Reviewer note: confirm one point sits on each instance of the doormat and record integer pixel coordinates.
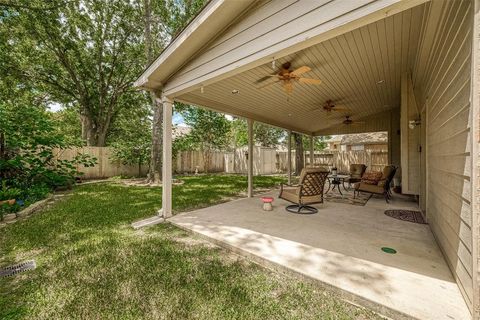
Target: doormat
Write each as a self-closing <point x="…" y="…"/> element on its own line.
<point x="347" y="198"/>
<point x="17" y="268"/>
<point x="406" y="215"/>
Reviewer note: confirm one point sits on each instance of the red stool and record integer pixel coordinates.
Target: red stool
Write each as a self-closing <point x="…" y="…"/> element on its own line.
<point x="267" y="203"/>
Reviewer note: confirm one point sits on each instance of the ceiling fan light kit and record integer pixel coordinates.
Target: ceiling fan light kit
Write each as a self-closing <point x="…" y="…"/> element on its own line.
<point x="289" y="77"/>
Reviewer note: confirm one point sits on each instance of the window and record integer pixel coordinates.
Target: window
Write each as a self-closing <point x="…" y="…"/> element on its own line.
<point x="358" y="147"/>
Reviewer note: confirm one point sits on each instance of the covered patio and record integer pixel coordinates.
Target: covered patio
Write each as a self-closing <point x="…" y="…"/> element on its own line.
<point x="409" y="68"/>
<point x="340" y="248"/>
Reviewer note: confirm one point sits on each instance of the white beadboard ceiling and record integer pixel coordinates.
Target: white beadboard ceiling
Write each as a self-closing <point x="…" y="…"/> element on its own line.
<point x="350" y="67"/>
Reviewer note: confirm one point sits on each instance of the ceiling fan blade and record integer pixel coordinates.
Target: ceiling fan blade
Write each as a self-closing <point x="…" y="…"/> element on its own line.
<point x="268" y="84"/>
<point x="300" y="71"/>
<point x="265" y="78"/>
<point x="309" y="81"/>
<point x="288" y="87"/>
<point x="356" y="123"/>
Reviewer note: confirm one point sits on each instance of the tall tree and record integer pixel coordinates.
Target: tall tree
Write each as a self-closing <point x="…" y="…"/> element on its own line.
<point x="155" y="172"/>
<point x="299" y="160"/>
<point x="83" y="52"/>
<point x="210" y="131"/>
<point x="162" y="20"/>
<point x="265" y="134"/>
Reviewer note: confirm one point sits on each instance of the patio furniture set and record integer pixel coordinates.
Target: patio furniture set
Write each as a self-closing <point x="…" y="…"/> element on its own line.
<point x="311" y="187"/>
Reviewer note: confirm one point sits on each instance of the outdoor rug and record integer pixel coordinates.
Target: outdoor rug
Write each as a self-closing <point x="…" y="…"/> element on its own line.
<point x="347" y="198"/>
<point x="406" y="215"/>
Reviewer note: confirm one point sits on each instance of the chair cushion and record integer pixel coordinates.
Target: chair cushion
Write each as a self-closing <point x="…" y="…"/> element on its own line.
<point x="357" y="170"/>
<point x="370" y="188"/>
<point x="372" y="177"/>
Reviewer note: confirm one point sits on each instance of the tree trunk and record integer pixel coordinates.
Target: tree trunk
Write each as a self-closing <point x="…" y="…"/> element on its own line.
<point x="101" y="138"/>
<point x="92" y="134"/>
<point x="207" y="157"/>
<point x="299" y="163"/>
<point x="155" y="172"/>
<point x="89" y="131"/>
<point x="3" y="155"/>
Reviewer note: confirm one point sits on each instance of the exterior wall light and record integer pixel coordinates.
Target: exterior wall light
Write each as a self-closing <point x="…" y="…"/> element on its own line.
<point x="413" y="123"/>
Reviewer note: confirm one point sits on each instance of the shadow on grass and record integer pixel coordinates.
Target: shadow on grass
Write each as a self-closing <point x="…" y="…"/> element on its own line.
<point x="91" y="264"/>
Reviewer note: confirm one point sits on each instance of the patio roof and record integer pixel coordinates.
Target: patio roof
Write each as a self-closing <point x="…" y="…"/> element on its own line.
<point x="368" y="89"/>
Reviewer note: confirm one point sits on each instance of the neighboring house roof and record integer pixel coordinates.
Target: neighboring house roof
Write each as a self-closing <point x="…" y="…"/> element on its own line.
<point x="335" y="138"/>
<point x="365" y="138"/>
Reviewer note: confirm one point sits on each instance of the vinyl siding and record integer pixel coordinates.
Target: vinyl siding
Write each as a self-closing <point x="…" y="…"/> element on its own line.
<point x="442" y="84"/>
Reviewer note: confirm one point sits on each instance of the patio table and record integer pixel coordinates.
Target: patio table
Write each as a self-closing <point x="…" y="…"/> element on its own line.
<point x="335" y="180"/>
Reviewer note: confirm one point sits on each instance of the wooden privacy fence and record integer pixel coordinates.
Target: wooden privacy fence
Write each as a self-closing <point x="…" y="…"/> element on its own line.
<point x="106" y="167"/>
<point x="266" y="161"/>
<point x="375" y="160"/>
<point x="192" y="161"/>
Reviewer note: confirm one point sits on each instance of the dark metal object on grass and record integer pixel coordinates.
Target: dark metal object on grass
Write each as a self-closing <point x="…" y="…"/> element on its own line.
<point x="17" y="268"/>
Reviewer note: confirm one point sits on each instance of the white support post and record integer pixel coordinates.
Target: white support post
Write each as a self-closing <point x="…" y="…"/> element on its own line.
<point x="312" y="155"/>
<point x="250" y="157"/>
<point x="167" y="158"/>
<point x="289" y="157"/>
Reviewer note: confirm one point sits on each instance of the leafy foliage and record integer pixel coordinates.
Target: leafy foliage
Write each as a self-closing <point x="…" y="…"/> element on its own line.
<point x="210" y="130"/>
<point x="83" y="53"/>
<point x="264" y="134"/>
<point x="131" y="137"/>
<point x="29" y="144"/>
<point x="67" y="124"/>
<point x="319" y="143"/>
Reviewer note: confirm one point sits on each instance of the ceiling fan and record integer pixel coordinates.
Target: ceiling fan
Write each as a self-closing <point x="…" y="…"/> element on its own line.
<point x="330" y="106"/>
<point x="288" y="77"/>
<point x="348" y="121"/>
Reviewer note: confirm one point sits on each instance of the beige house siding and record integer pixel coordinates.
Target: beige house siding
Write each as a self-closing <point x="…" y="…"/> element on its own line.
<point x="442" y="83"/>
<point x="475" y="116"/>
<point x="409" y="139"/>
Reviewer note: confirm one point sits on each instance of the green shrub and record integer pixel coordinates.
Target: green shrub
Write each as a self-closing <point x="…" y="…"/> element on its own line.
<point x="7" y="193"/>
<point x="30" y="144"/>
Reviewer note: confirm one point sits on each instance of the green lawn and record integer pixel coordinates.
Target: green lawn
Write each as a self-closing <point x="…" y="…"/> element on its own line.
<point x="92" y="265"/>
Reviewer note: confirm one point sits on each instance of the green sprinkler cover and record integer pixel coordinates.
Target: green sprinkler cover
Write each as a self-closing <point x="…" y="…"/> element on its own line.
<point x="389" y="250"/>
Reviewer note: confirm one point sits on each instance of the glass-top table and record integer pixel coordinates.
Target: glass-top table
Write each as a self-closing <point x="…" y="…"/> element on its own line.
<point x="335" y="180"/>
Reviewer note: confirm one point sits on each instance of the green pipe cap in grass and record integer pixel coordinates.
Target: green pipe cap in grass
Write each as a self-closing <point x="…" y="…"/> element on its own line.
<point x="389" y="250"/>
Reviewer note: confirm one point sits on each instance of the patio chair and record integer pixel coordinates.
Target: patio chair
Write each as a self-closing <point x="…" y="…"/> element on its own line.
<point x="381" y="187"/>
<point x="356" y="172"/>
<point x="308" y="191"/>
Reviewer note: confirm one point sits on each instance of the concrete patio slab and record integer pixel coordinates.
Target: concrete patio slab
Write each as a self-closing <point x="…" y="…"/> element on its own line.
<point x="340" y="247"/>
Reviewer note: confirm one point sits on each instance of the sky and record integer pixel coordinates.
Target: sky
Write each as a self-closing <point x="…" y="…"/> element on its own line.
<point x="177" y="118"/>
